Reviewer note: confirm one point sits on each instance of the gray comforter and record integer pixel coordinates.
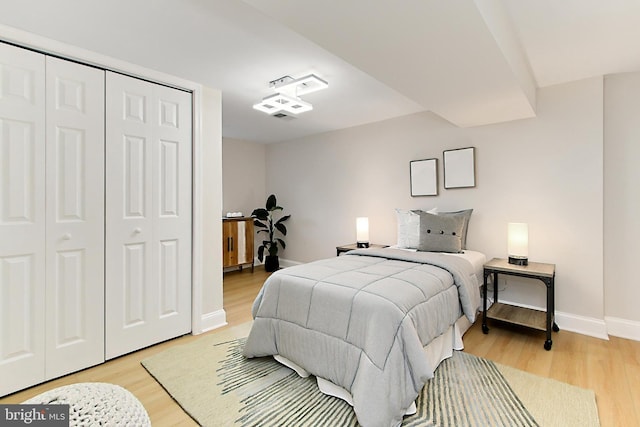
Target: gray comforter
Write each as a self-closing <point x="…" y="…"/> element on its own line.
<point x="361" y="321"/>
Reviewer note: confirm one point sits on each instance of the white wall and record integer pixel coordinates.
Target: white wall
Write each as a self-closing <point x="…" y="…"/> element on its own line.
<point x="546" y="171"/>
<point x="210" y="163"/>
<point x="622" y="203"/>
<point x="243" y="176"/>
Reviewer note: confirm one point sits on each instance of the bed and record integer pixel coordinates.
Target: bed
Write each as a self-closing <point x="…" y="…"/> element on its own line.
<point x="371" y="325"/>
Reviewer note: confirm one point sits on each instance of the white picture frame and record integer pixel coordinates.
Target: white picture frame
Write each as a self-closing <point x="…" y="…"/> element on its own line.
<point x="424" y="177"/>
<point x="459" y="168"/>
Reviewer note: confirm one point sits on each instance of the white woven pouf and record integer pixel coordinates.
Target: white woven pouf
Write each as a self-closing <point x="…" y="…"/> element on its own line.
<point x="96" y="404"/>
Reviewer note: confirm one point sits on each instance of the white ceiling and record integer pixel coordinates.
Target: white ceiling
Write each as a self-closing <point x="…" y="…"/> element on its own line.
<point x="472" y="62"/>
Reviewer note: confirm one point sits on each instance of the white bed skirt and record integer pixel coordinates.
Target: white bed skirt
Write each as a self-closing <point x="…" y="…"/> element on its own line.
<point x="436" y="351"/>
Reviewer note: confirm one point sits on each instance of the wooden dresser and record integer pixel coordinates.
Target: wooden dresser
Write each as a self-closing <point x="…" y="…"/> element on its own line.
<point x="237" y="242"/>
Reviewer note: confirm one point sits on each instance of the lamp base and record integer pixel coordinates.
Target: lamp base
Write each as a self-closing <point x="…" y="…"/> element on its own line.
<point x="518" y="260"/>
<point x="362" y="244"/>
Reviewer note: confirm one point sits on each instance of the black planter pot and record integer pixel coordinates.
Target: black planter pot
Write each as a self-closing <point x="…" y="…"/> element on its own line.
<point x="271" y="263"/>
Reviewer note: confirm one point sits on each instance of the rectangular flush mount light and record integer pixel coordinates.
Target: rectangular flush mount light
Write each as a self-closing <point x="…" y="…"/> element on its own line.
<point x="281" y="102"/>
<point x="302" y="86"/>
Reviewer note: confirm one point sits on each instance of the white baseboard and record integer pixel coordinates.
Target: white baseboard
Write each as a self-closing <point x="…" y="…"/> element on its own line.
<point x="575" y="323"/>
<point x="582" y="325"/>
<point x="214" y="320"/>
<point x="288" y="263"/>
<point x="623" y="328"/>
<point x="282" y="261"/>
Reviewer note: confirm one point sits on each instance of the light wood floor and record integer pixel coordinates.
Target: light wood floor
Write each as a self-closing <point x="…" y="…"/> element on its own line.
<point x="610" y="368"/>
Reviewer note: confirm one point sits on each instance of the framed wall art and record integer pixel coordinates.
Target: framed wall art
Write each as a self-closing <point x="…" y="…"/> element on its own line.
<point x="424" y="177"/>
<point x="459" y="168"/>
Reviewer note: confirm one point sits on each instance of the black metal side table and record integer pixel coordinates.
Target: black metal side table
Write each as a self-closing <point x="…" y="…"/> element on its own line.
<point x="535" y="319"/>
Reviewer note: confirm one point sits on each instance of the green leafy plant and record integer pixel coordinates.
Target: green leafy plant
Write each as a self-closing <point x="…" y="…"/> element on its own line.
<point x="266" y="223"/>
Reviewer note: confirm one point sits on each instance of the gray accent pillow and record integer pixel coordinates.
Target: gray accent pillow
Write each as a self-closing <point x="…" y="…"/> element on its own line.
<point x="440" y="233"/>
<point x="466" y="216"/>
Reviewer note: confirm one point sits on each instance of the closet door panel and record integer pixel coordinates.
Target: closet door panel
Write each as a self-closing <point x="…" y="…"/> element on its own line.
<point x="75" y="216"/>
<point x="172" y="206"/>
<point x="22" y="218"/>
<point x="129" y="222"/>
<point x="148" y="246"/>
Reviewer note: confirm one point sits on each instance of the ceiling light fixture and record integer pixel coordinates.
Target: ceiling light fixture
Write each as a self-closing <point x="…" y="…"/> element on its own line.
<point x="288" y="89"/>
<point x="301" y="86"/>
<point x="281" y="102"/>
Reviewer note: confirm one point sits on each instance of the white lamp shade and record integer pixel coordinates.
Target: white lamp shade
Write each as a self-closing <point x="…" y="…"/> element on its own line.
<point x="518" y="240"/>
<point x="362" y="229"/>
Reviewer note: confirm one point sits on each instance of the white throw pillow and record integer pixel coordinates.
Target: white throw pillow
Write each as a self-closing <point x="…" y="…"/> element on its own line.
<point x="409" y="227"/>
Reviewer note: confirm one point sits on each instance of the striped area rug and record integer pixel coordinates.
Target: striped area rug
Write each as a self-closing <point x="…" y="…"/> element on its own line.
<point x="466" y="391"/>
<point x="217" y="386"/>
<point x="470" y="391"/>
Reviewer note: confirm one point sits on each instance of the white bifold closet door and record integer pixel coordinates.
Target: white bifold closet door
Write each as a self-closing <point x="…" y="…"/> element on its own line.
<point x="75" y="217"/>
<point x="148" y="214"/>
<point x="22" y="218"/>
<point x="51" y="217"/>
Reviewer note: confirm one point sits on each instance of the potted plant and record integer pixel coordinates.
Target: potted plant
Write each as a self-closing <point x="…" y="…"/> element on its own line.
<point x="265" y="221"/>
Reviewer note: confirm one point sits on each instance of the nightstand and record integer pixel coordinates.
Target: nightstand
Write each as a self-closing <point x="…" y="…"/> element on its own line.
<point x="353" y="246"/>
<point x="530" y="318"/>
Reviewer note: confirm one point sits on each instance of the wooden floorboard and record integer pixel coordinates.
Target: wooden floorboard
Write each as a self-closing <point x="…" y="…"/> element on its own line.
<point x="610" y="368"/>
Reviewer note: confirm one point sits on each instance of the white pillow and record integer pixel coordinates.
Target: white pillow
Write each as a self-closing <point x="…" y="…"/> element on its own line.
<point x="409" y="227"/>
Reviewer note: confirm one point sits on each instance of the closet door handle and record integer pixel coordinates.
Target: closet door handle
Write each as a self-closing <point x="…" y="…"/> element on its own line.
<point x="66" y="236"/>
<point x="231" y="238"/>
<point x="137" y="230"/>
